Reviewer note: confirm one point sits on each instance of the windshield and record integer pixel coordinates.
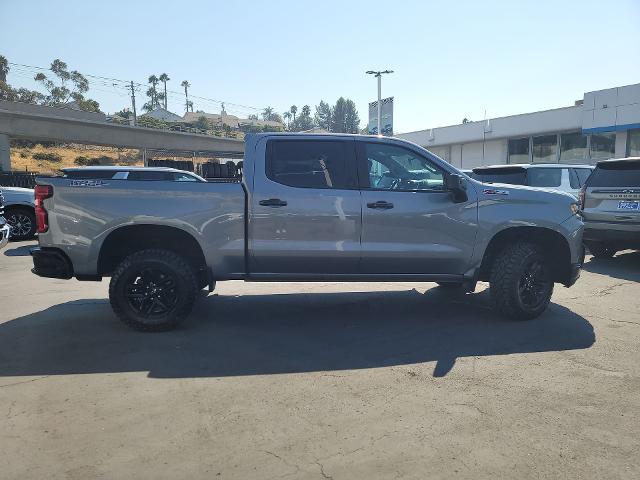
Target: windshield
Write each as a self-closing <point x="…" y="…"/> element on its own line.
<point x="616" y="174"/>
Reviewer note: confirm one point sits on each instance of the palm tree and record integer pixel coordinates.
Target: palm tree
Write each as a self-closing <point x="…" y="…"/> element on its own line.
<point x="267" y="113"/>
<point x="4" y="69"/>
<point x="186" y="85"/>
<point x="287" y="117"/>
<point x="164" y="78"/>
<point x="189" y="105"/>
<point x="294" y="110"/>
<point x="153" y="80"/>
<point x="306" y="111"/>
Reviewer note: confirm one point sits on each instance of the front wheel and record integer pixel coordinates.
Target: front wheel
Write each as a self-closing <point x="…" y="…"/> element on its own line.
<point x="153" y="290"/>
<point x="521" y="282"/>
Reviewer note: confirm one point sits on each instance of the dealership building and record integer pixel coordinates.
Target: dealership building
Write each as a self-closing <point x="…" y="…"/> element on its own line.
<point x="604" y="124"/>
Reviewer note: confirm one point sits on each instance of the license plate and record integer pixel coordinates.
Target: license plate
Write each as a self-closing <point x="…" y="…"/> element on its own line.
<point x="627" y="205"/>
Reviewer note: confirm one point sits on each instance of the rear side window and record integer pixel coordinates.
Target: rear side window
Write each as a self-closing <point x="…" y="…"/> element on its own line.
<point x="579" y="176"/>
<point x="149" y="175"/>
<point x="309" y="163"/>
<point x="616" y="174"/>
<point x="90" y="174"/>
<point x="544" y="177"/>
<point x="510" y="175"/>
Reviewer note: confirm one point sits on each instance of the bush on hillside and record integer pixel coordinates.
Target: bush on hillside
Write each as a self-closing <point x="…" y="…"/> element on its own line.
<point x="48" y="156"/>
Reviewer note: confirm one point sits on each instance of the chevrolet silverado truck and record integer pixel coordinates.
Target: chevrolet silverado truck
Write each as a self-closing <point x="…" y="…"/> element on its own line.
<point x="307" y="208"/>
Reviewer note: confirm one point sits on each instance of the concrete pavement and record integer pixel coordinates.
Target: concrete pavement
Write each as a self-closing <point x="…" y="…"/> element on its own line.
<point x="304" y="380"/>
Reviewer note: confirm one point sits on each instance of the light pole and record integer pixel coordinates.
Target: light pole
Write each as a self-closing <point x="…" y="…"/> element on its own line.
<point x="379" y="76"/>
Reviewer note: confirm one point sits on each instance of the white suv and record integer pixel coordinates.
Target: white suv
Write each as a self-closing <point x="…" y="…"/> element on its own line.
<point x="555" y="176"/>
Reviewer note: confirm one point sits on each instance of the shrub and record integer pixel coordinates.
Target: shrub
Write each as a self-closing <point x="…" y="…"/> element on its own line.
<point x="24" y="154"/>
<point x="83" y="161"/>
<point x="51" y="157"/>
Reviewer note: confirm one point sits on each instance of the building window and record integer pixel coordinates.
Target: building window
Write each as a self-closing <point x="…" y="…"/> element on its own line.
<point x="603" y="146"/>
<point x="573" y="147"/>
<point x="519" y="150"/>
<point x="634" y="143"/>
<point x="545" y="149"/>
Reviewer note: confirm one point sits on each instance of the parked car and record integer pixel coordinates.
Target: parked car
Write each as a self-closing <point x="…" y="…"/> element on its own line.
<point x="562" y="177"/>
<point x="610" y="205"/>
<point x="309" y="207"/>
<point x="4" y="227"/>
<point x="20" y="212"/>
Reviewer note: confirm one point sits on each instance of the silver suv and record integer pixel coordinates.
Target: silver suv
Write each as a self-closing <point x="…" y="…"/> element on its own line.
<point x="610" y="204"/>
<point x="565" y="178"/>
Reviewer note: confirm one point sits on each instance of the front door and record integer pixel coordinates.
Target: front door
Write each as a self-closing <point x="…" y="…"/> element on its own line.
<point x="305" y="208"/>
<point x="410" y="223"/>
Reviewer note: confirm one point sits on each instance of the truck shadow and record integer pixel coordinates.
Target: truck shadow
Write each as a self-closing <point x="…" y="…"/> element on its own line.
<point x="625" y="265"/>
<point x="283" y="333"/>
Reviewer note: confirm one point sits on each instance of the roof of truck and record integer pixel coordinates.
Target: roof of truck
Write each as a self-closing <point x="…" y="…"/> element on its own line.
<point x="534" y="165"/>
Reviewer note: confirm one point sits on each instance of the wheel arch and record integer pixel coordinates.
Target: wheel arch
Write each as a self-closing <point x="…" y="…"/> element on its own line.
<point x="553" y="244"/>
<point x="127" y="239"/>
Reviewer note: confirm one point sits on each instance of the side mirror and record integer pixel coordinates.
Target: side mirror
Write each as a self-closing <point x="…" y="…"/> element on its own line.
<point x="457" y="185"/>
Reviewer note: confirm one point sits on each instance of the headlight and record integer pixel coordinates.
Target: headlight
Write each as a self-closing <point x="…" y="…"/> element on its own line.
<point x="575" y="208"/>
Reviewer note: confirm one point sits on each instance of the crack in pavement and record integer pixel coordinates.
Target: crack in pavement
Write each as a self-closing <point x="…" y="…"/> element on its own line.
<point x="25" y="381"/>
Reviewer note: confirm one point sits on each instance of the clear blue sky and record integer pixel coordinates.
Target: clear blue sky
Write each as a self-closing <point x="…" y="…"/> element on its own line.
<point x="452" y="59"/>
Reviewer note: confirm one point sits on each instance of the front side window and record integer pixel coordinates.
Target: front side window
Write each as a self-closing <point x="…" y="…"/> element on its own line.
<point x="389" y="167"/>
<point x="545" y="148"/>
<point x="603" y="146"/>
<point x="308" y="163"/>
<point x="544" y="177"/>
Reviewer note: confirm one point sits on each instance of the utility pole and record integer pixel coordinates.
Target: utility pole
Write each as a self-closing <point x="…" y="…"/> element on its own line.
<point x="133" y="104"/>
<point x="378" y="75"/>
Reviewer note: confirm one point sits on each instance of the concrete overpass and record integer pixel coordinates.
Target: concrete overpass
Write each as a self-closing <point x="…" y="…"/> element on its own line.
<point x="35" y="122"/>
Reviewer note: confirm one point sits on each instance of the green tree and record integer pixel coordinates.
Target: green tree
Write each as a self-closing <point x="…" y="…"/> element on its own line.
<point x="202" y="123"/>
<point x="164" y="78"/>
<point x="64" y="86"/>
<point x="303" y="122"/>
<point x="287" y="117"/>
<point x="338" y="116"/>
<point x="4" y="69"/>
<point x="186" y="85"/>
<point x="269" y="114"/>
<point x="293" y="111"/>
<point x="322" y="117"/>
<point x="351" y="120"/>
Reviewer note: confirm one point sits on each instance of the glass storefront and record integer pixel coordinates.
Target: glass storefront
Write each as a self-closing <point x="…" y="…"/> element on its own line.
<point x="545" y="149"/>
<point x="633" y="149"/>
<point x="519" y="150"/>
<point x="573" y="147"/>
<point x="603" y="146"/>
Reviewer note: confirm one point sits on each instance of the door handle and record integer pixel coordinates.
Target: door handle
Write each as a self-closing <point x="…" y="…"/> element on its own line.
<point x="273" y="202"/>
<point x="381" y="205"/>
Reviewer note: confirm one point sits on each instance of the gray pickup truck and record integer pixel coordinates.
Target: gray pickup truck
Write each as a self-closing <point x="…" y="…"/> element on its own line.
<point x="307" y="208"/>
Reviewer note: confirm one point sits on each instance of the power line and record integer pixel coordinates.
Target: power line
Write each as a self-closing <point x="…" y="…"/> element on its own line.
<point x="126" y="85"/>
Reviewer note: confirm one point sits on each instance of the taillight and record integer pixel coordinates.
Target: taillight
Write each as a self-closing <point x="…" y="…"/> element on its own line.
<point x="581" y="197"/>
<point x="42" y="219"/>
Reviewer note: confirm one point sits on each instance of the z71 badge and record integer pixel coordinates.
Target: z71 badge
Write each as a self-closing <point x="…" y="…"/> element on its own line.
<point x="88" y="183"/>
<point x="495" y="191"/>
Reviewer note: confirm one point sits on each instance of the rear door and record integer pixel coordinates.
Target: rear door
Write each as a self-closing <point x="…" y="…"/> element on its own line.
<point x="410" y="223"/>
<point x="613" y="193"/>
<point x="305" y="208"/>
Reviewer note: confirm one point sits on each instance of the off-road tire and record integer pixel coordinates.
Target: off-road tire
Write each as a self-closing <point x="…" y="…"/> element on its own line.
<point x="184" y="293"/>
<point x="601" y="250"/>
<point x="508" y="271"/>
<point x="13" y="214"/>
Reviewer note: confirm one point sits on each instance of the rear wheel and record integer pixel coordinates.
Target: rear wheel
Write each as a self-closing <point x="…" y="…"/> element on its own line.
<point x="601" y="250"/>
<point x="22" y="222"/>
<point x="521" y="282"/>
<point x="153" y="290"/>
